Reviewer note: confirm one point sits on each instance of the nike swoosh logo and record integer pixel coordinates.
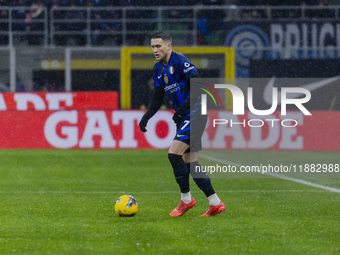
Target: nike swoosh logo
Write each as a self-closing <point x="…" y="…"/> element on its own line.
<point x="180" y="135"/>
<point x="159" y="76"/>
<point x="267" y="93"/>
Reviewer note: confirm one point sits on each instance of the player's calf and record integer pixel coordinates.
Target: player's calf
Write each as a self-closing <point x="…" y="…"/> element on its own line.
<point x="181" y="171"/>
<point x="201" y="178"/>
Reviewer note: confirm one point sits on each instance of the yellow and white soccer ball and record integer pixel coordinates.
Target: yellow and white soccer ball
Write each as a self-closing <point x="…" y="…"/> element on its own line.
<point x="126" y="206"/>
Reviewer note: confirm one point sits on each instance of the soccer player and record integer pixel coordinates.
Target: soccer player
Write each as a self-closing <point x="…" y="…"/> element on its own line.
<point x="172" y="74"/>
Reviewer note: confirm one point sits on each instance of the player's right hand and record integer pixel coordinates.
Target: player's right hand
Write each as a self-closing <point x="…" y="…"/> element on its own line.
<point x="142" y="124"/>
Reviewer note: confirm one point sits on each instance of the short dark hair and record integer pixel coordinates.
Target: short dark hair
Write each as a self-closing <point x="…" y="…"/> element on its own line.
<point x="163" y="35"/>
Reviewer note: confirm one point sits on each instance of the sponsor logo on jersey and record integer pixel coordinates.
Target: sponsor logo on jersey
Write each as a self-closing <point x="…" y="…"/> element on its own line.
<point x="172" y="87"/>
<point x="188" y="69"/>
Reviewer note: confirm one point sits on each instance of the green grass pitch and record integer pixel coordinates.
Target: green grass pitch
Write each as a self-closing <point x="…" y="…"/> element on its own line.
<point x="61" y="202"/>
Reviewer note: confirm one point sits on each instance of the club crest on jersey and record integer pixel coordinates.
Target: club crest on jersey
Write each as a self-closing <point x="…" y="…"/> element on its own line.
<point x="171" y="69"/>
<point x="166" y="79"/>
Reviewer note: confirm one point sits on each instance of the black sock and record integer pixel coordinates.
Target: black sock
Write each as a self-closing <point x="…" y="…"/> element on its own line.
<point x="181" y="172"/>
<point x="201" y="178"/>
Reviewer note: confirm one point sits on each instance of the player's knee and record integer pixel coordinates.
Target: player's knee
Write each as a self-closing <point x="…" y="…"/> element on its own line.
<point x="186" y="158"/>
<point x="174" y="158"/>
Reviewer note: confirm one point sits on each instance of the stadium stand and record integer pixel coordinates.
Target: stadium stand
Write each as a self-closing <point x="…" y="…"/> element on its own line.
<point x="101" y="23"/>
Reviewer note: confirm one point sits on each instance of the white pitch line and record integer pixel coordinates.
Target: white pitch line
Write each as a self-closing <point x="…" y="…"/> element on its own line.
<point x="276" y="175"/>
<point x="145" y="192"/>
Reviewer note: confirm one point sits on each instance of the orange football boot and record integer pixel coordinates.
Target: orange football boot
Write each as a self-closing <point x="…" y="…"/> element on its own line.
<point x="213" y="210"/>
<point x="182" y="208"/>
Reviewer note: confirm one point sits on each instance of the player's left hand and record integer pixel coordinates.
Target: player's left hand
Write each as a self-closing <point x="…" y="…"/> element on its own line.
<point x="177" y="118"/>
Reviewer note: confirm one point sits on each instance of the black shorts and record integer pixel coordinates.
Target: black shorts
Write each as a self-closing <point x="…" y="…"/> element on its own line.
<point x="190" y="131"/>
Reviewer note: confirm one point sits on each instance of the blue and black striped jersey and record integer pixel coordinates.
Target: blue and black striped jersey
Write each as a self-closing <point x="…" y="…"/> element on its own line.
<point x="175" y="78"/>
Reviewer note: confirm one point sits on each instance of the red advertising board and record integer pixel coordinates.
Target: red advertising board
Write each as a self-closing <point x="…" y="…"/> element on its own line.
<point x="40" y="101"/>
<point x="116" y="129"/>
<point x="293" y="131"/>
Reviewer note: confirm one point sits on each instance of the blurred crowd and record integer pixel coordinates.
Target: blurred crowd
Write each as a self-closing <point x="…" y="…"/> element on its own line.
<point x="51" y="3"/>
<point x="117" y="3"/>
<point x="318" y="8"/>
<point x="70" y="26"/>
<point x="285" y="2"/>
